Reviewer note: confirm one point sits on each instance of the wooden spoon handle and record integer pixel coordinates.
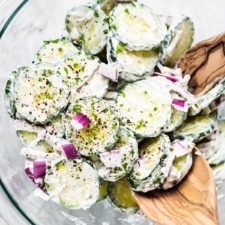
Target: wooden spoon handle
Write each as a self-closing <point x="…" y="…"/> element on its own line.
<point x="192" y="202"/>
<point x="205" y="63"/>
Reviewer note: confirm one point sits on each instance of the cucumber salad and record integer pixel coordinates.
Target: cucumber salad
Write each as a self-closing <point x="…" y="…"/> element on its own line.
<point x="104" y="111"/>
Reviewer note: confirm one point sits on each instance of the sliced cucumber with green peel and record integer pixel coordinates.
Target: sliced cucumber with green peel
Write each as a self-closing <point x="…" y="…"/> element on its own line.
<point x="180" y="168"/>
<point x="135" y="25"/>
<point x="121" y="196"/>
<point x="107" y="5"/>
<point x="86" y="26"/>
<point x="45" y="146"/>
<point x="77" y="70"/>
<point x="26" y="136"/>
<point x="177" y="118"/>
<point x="103" y="190"/>
<point x="196" y="128"/>
<point x="153" y="165"/>
<point x="97" y="86"/>
<point x="213" y="148"/>
<point x="27" y="132"/>
<point x="9" y="92"/>
<point x="178" y="41"/>
<point x="40" y="94"/>
<point x="72" y="183"/>
<point x="54" y="50"/>
<point x="119" y="161"/>
<point x="100" y="134"/>
<point x="55" y="127"/>
<point x="132" y="65"/>
<point x="144" y="107"/>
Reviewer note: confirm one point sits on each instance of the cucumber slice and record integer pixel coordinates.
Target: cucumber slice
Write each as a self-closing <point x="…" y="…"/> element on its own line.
<point x="85" y="25"/>
<point x="119" y="161"/>
<point x="9" y="91"/>
<point x="39" y="148"/>
<point x="44" y="146"/>
<point x="27" y="132"/>
<point x="154" y="164"/>
<point x="55" y="127"/>
<point x="72" y="183"/>
<point x="135" y="25"/>
<point x="97" y="86"/>
<point x="78" y="69"/>
<point x="111" y="95"/>
<point x="117" y="86"/>
<point x="103" y="190"/>
<point x="144" y="107"/>
<point x="54" y="50"/>
<point x="177" y="118"/>
<point x="213" y="149"/>
<point x="26" y="136"/>
<point x="121" y="196"/>
<point x="100" y="135"/>
<point x="40" y="94"/>
<point x="178" y="41"/>
<point x="196" y="128"/>
<point x="180" y="168"/>
<point x="132" y="65"/>
<point x="107" y="5"/>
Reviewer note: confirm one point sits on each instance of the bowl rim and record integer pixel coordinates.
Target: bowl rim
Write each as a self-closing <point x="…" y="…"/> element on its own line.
<point x="2" y="185"/>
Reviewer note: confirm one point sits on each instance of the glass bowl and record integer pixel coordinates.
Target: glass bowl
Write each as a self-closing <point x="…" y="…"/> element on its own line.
<point x="21" y="34"/>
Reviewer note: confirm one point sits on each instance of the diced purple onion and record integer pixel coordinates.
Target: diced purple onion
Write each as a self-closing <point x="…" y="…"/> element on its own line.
<point x="39" y="169"/>
<point x="38" y="181"/>
<point x="171" y="77"/>
<point x="70" y="151"/>
<point x="174" y="80"/>
<point x="178" y="102"/>
<point x="29" y="173"/>
<point x="81" y="120"/>
<point x="173" y="74"/>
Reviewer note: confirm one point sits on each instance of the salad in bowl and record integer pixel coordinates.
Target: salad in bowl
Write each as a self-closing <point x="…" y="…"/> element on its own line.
<point x="104" y="110"/>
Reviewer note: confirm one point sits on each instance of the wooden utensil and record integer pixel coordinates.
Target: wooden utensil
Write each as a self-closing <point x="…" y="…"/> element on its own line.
<point x="205" y="63"/>
<point x="194" y="200"/>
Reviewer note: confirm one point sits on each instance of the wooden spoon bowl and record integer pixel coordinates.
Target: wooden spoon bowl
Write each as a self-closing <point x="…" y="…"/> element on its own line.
<point x="192" y="202"/>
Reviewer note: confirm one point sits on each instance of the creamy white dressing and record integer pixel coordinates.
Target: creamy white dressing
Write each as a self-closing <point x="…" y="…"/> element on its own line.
<point x="119" y="161"/>
<point x="75" y="184"/>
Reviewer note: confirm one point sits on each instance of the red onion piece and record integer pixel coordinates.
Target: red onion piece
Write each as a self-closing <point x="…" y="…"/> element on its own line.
<point x="29" y="173"/>
<point x="70" y="151"/>
<point x="171" y="78"/>
<point x="39" y="169"/>
<point x="81" y="120"/>
<point x="38" y="181"/>
<point x="178" y="102"/>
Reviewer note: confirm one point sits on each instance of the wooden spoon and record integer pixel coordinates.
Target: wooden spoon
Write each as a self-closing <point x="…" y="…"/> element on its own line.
<point x="205" y="63"/>
<point x="194" y="200"/>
